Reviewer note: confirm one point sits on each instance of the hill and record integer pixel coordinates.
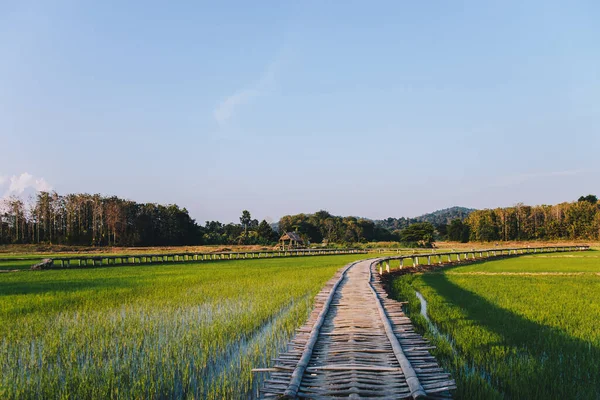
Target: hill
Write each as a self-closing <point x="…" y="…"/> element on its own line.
<point x="439" y="217"/>
<point x="446" y="215"/>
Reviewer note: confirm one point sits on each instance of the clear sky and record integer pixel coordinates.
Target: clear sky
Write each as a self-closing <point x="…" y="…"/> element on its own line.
<point x="362" y="108"/>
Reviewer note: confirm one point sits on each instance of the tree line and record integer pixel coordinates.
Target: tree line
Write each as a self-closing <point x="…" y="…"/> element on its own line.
<point x="84" y="219"/>
<point x="579" y="220"/>
<point x="322" y="227"/>
<point x="96" y="220"/>
<point x="439" y="218"/>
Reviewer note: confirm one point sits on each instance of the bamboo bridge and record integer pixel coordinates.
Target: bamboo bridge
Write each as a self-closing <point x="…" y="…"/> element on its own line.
<point x="358" y="343"/>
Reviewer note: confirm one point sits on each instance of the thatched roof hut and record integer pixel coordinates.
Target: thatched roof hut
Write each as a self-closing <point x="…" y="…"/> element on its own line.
<point x="291" y="240"/>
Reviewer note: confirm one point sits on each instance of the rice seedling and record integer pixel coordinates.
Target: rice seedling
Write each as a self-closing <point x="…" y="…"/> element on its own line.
<point x="524" y="327"/>
<point x="179" y="331"/>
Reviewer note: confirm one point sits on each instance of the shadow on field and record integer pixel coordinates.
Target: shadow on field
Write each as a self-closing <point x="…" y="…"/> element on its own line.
<point x="529" y="360"/>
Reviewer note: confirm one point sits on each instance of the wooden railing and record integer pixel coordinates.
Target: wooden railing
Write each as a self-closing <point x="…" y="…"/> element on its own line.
<point x="470" y="255"/>
<point x="84" y="261"/>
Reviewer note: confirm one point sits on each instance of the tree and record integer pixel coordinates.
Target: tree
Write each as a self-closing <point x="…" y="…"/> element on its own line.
<point x="458" y="231"/>
<point x="419" y="234"/>
<point x="266" y="234"/>
<point x="245" y="220"/>
<point x="483" y="225"/>
<point x="590" y="198"/>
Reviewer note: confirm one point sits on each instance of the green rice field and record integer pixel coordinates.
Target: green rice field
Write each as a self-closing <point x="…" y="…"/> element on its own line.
<point x="518" y="328"/>
<point x="158" y="331"/>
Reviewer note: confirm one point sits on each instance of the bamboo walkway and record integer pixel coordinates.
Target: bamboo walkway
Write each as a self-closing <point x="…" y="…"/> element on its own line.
<point x="170" y="258"/>
<point x="357" y="344"/>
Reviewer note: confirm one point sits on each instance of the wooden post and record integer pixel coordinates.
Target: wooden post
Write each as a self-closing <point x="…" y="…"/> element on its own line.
<point x="401" y="263"/>
<point x="387" y="266"/>
<point x="428" y="260"/>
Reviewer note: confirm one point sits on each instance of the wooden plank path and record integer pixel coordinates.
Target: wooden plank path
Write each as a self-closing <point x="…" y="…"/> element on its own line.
<point x="134" y="259"/>
<point x="439" y="258"/>
<point x="357" y="343"/>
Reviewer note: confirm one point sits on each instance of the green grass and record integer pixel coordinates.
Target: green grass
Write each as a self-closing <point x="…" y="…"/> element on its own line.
<point x="509" y="335"/>
<point x="25" y="261"/>
<point x="551" y="262"/>
<point x="176" y="331"/>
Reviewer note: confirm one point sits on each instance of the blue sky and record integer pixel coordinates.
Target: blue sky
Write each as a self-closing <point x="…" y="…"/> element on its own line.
<point x="362" y="108"/>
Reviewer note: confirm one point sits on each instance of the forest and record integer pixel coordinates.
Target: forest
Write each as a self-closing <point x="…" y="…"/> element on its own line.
<point x="579" y="220"/>
<point x="438" y="218"/>
<point x="84" y="219"/>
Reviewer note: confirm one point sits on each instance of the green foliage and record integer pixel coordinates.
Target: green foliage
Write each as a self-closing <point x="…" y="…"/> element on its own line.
<point x="575" y="221"/>
<point x="590" y="198"/>
<point x="436" y="218"/>
<point x="179" y="331"/>
<point x="322" y="226"/>
<point x="458" y="231"/>
<point x="420" y="233"/>
<point x="83" y="219"/>
<point x="245" y="219"/>
<point x="522" y="327"/>
<point x="265" y="233"/>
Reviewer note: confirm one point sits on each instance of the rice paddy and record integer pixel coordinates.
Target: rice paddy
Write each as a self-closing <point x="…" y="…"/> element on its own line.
<point x="178" y="331"/>
<point x="524" y="327"/>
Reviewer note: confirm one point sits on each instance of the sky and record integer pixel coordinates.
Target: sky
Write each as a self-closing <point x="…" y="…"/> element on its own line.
<point x="365" y="108"/>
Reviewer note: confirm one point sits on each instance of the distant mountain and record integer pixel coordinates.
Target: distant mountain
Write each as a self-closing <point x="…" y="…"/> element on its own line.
<point x="446" y="215"/>
<point x="439" y="217"/>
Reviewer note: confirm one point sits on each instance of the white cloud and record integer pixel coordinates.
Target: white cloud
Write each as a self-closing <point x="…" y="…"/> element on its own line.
<point x="225" y="110"/>
<point x="19" y="183"/>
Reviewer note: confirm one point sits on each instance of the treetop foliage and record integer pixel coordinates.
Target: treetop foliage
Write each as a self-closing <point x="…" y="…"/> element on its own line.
<point x="590" y="198"/>
<point x="324" y="227"/>
<point x="436" y="218"/>
<point x="84" y="219"/>
<point x="574" y="221"/>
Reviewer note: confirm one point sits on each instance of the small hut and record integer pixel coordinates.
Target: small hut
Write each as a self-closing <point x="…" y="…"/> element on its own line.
<point x="290" y="240"/>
